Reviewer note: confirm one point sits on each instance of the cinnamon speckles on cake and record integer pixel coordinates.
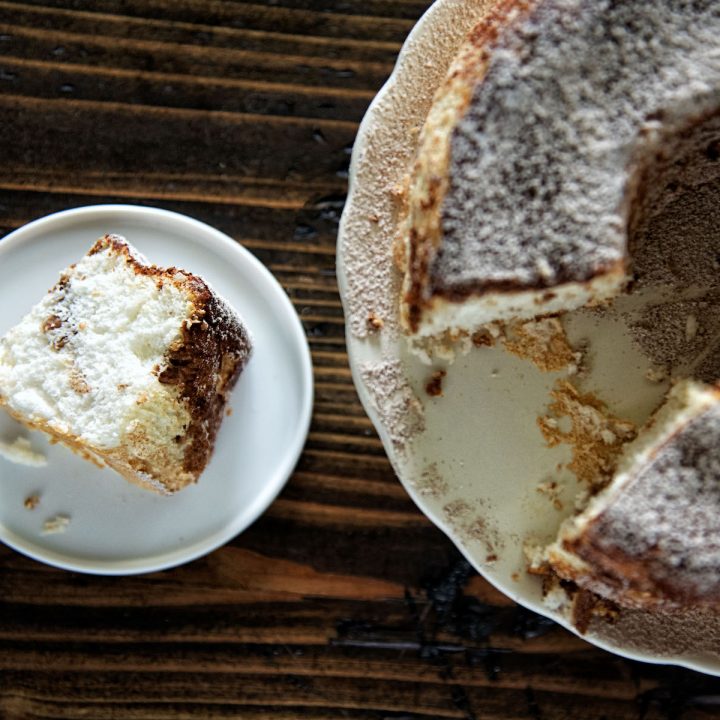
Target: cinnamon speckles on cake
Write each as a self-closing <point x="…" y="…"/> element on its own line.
<point x="669" y="510"/>
<point x="557" y="196"/>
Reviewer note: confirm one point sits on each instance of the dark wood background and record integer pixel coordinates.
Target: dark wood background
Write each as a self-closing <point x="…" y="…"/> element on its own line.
<point x="342" y="601"/>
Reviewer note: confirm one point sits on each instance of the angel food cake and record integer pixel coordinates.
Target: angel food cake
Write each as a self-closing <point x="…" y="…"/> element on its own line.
<point x="530" y="164"/>
<point x="650" y="539"/>
<point x="547" y="179"/>
<point x="128" y="364"/>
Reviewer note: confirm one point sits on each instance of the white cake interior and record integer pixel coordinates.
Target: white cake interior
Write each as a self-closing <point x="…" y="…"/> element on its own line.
<point x="91" y="376"/>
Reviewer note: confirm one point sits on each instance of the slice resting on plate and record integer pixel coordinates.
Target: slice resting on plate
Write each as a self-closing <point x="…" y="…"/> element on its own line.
<point x="128" y="364"/>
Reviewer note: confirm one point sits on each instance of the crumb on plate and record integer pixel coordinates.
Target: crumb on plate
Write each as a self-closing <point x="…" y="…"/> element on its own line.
<point x="433" y="387"/>
<point x="20" y="451"/>
<point x="374" y="322"/>
<point x="31" y="501"/>
<point x="55" y="525"/>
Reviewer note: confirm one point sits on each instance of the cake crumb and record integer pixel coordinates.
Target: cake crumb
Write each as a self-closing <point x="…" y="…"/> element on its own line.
<point x="20" y="451"/>
<point x="581" y="607"/>
<point x="551" y="488"/>
<point x="544" y="343"/>
<point x="374" y="323"/>
<point x="228" y="412"/>
<point x="534" y="553"/>
<point x="31" y="501"/>
<point x="433" y="387"/>
<point x="596" y="436"/>
<point x="374" y="218"/>
<point x="656" y="376"/>
<point x="55" y="525"/>
<point x="587" y="605"/>
<point x="482" y="338"/>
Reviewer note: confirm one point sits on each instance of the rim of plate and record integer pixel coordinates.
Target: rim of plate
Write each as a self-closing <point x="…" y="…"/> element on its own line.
<point x="270" y="490"/>
<point x="418" y="36"/>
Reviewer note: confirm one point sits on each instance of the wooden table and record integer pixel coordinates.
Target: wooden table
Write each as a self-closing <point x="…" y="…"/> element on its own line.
<point x="342" y="601"/>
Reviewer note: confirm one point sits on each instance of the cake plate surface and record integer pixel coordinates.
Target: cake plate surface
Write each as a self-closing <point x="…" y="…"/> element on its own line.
<point x="474" y="459"/>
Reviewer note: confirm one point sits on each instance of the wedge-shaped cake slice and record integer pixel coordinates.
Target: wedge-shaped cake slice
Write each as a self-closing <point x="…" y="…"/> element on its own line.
<point x="530" y="170"/>
<point x="128" y="364"/>
<point x="651" y="538"/>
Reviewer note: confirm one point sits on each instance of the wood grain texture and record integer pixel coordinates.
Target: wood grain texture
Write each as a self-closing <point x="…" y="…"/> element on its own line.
<point x="342" y="601"/>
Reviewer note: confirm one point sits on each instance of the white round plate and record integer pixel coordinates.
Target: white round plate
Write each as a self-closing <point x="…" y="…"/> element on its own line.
<point x="474" y="459"/>
<point x="116" y="528"/>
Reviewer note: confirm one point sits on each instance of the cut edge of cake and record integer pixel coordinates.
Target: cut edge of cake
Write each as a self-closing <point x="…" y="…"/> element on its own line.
<point x="685" y="402"/>
<point x="142" y="390"/>
<point x="433" y="319"/>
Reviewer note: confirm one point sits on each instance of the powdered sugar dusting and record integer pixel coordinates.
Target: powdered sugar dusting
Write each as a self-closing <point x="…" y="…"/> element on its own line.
<point x="668" y="515"/>
<point x="372" y="282"/>
<point x="394" y="401"/>
<point x="540" y="162"/>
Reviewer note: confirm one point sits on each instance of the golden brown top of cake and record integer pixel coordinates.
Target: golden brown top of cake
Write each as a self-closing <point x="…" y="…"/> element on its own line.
<point x="128" y="363"/>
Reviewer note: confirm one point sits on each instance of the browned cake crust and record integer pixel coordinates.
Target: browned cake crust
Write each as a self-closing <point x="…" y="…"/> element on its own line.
<point x="421" y="234"/>
<point x="650" y="540"/>
<point x="204" y="366"/>
<point x="165" y="432"/>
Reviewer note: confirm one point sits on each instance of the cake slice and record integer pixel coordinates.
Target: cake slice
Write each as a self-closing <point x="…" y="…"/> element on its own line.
<point x="129" y="364"/>
<point x="530" y="165"/>
<point x="651" y="538"/>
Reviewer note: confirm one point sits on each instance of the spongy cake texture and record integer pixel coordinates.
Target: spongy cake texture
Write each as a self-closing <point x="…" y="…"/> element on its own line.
<point x="529" y="183"/>
<point x="650" y="539"/>
<point x="127" y="363"/>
